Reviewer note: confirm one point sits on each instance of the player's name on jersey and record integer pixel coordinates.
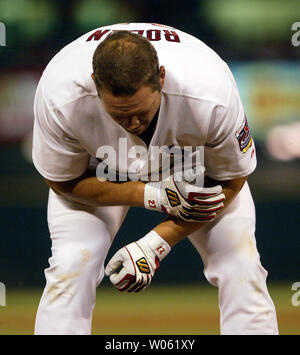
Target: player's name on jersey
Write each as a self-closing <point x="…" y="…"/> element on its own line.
<point x="152" y="34"/>
<point x="123" y="162"/>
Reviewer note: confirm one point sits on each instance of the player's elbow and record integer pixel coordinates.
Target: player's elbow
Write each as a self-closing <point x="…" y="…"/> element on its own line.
<point x="60" y="188"/>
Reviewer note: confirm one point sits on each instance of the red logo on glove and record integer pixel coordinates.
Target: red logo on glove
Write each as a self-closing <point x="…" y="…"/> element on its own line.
<point x="151" y="203"/>
<point x="160" y="250"/>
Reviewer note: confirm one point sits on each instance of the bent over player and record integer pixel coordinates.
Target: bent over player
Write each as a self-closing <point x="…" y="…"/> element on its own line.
<point x="151" y="86"/>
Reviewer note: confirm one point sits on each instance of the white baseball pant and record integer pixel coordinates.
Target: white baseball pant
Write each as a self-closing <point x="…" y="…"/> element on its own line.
<point x="81" y="237"/>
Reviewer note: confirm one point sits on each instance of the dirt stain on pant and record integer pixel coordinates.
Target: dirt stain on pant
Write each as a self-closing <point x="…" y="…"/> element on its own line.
<point x="64" y="280"/>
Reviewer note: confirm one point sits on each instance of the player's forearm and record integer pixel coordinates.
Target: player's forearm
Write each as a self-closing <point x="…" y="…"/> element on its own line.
<point x="173" y="230"/>
<point x="90" y="191"/>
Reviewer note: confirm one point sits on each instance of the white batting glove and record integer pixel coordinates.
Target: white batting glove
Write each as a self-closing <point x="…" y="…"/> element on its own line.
<point x="138" y="262"/>
<point x="180" y="198"/>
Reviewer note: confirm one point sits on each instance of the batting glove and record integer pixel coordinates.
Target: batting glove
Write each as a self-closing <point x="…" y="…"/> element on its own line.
<point x="133" y="266"/>
<point x="180" y="198"/>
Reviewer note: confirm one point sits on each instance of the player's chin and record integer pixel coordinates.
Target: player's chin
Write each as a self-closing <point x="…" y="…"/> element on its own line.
<point x="139" y="130"/>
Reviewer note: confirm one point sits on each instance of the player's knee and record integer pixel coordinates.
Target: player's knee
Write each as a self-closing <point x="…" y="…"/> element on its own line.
<point x="235" y="269"/>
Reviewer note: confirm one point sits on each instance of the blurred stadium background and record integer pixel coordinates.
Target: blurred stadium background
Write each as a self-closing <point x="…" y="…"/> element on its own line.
<point x="255" y="38"/>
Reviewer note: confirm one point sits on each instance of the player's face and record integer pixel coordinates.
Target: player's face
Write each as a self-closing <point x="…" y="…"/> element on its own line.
<point x="134" y="113"/>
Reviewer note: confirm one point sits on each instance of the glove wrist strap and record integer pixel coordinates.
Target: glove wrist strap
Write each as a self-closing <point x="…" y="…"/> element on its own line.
<point x="159" y="246"/>
<point x="152" y="196"/>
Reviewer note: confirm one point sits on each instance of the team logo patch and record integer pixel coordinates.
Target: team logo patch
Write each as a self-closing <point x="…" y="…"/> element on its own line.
<point x="143" y="266"/>
<point x="243" y="135"/>
<point x="173" y="198"/>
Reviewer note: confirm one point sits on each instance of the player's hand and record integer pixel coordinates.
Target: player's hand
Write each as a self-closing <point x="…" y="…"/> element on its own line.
<point x="133" y="266"/>
<point x="185" y="200"/>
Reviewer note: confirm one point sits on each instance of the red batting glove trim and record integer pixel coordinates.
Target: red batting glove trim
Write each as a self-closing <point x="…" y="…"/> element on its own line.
<point x="129" y="278"/>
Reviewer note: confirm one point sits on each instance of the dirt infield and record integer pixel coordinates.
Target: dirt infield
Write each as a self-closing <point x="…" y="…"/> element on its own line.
<point x="185" y="310"/>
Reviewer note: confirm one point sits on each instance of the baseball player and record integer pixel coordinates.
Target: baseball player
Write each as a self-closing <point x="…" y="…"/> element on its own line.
<point x="151" y="86"/>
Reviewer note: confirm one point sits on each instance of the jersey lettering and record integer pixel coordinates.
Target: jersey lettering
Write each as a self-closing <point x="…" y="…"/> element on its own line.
<point x="152" y="35"/>
<point x="97" y="35"/>
<point x="171" y="36"/>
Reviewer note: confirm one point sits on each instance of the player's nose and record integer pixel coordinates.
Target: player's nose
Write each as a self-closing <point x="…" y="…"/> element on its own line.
<point x="132" y="123"/>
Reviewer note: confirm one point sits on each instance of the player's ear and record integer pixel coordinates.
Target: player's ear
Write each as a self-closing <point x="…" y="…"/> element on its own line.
<point x="97" y="88"/>
<point x="162" y="76"/>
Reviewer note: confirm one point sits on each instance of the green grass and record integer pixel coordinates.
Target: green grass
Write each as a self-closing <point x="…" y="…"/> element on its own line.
<point x="157" y="310"/>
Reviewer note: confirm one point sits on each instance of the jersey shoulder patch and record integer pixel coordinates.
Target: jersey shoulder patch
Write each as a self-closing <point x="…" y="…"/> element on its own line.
<point x="243" y="135"/>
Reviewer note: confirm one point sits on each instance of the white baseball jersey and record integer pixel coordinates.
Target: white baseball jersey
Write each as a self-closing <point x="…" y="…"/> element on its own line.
<point x="200" y="106"/>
